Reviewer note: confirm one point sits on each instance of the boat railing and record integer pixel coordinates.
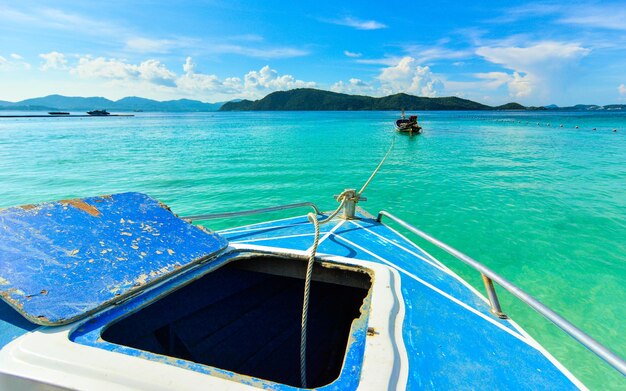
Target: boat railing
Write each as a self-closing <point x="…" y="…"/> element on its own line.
<point x="251" y="212"/>
<point x="489" y="276"/>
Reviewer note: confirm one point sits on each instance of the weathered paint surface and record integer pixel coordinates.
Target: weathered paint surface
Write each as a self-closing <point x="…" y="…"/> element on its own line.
<point x="89" y="333"/>
<point x="60" y="261"/>
<point x="451" y="339"/>
<point x="449" y="346"/>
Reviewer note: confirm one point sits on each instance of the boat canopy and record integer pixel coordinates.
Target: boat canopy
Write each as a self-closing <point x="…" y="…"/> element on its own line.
<point x="64" y="260"/>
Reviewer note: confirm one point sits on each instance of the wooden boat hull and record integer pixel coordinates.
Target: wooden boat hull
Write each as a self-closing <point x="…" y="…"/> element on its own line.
<point x="414" y="130"/>
<point x="408" y="126"/>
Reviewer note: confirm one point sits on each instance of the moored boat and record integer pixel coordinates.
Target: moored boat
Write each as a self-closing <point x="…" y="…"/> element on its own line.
<point x="117" y="292"/>
<point x="409" y="125"/>
<point x="98" y="112"/>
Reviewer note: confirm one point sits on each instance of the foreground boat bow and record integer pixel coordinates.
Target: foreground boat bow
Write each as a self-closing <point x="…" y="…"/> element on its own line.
<point x="137" y="298"/>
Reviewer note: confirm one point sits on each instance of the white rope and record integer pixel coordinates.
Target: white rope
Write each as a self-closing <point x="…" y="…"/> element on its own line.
<point x="305" y="303"/>
<point x="393" y="141"/>
<point x="309" y="267"/>
<point x="307" y="283"/>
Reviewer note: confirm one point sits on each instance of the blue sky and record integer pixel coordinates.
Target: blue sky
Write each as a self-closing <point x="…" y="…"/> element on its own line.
<point x="493" y="52"/>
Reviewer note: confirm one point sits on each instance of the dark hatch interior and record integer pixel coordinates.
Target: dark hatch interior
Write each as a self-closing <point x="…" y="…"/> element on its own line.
<point x="245" y="318"/>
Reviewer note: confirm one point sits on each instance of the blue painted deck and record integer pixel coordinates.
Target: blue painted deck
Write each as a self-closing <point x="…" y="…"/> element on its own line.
<point x="452" y="340"/>
<point x="60" y="261"/>
<point x="12" y="324"/>
<point x="90" y="333"/>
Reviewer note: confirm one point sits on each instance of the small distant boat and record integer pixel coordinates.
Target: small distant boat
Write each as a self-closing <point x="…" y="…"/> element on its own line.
<point x="410" y="125"/>
<point x="98" y="112"/>
<point x="58" y="113"/>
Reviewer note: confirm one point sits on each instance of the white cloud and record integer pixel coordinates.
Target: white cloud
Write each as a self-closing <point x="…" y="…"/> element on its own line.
<point x="267" y="79"/>
<point x="420" y="54"/>
<point x="519" y="86"/>
<point x="355" y="87"/>
<point x="426" y="54"/>
<point x="148" y="45"/>
<point x="406" y="76"/>
<point x="538" y="69"/>
<point x="15" y="63"/>
<point x="189" y="66"/>
<point x="101" y="67"/>
<point x="543" y="53"/>
<point x="527" y="11"/>
<point x="245" y="38"/>
<point x="352" y="54"/>
<point x="105" y="31"/>
<point x="622" y="89"/>
<point x="494" y="80"/>
<point x="255" y="84"/>
<point x="151" y="71"/>
<point x="57" y="19"/>
<point x="192" y="82"/>
<point x="275" y="52"/>
<point x="592" y="15"/>
<point x="137" y="44"/>
<point x="154" y="77"/>
<point x="53" y="60"/>
<point x="360" y="24"/>
<point x="612" y="17"/>
<point x="156" y="72"/>
<point x="388" y="61"/>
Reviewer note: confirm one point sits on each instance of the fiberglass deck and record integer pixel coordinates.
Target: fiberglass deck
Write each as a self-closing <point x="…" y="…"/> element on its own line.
<point x="440" y="332"/>
<point x="451" y="338"/>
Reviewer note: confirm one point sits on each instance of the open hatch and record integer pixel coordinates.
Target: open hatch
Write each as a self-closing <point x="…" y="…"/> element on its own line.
<point x="245" y="318"/>
<point x="63" y="261"/>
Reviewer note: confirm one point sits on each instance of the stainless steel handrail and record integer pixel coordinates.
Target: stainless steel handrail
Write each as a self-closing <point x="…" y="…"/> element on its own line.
<point x="251" y="212"/>
<point x="603" y="352"/>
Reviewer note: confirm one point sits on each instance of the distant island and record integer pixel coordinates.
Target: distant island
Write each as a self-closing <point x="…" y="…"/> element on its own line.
<point x="132" y="103"/>
<point x="301" y="99"/>
<point x="309" y="99"/>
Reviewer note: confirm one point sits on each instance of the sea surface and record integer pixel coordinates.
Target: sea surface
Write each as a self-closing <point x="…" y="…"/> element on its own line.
<point x="543" y="205"/>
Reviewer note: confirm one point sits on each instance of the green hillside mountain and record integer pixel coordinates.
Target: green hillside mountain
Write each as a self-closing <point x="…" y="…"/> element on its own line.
<point x="319" y="100"/>
<point x="136" y="103"/>
<point x="302" y="99"/>
<point x="511" y="106"/>
<point x="66" y="102"/>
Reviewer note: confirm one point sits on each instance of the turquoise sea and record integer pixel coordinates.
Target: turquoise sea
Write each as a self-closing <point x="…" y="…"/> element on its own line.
<point x="542" y="205"/>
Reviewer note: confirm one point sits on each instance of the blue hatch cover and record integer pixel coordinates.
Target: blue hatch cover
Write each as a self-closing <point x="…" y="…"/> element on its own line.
<point x="61" y="261"/>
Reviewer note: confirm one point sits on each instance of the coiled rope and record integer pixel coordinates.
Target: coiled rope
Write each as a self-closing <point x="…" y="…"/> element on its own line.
<point x="312" y="217"/>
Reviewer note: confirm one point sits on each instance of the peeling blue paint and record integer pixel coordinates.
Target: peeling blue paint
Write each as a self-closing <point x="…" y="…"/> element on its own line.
<point x="99" y="250"/>
<point x="90" y="333"/>
<point x="62" y="260"/>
